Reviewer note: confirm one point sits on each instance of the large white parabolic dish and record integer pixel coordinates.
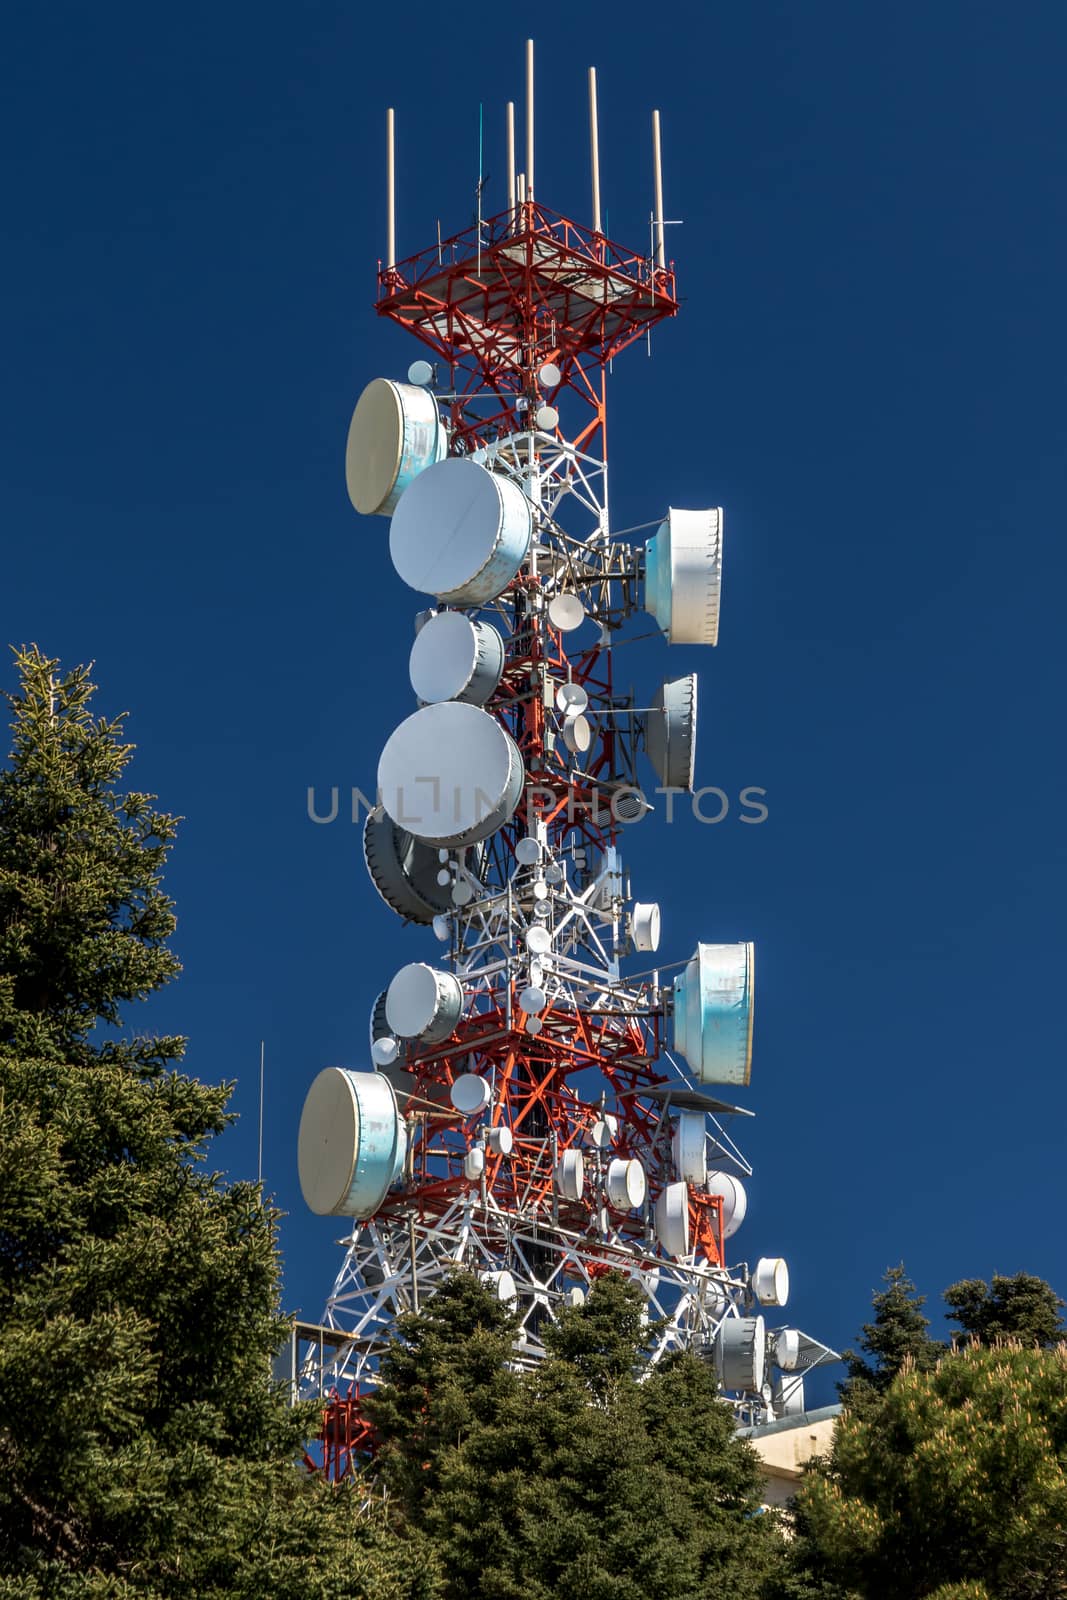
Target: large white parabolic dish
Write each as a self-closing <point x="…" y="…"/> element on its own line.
<point x="456" y="658"/>
<point x="671" y="732"/>
<point x="450" y="774"/>
<point x="713" y="1012"/>
<point x="395" y="433"/>
<point x="351" y="1143"/>
<point x="569" y="1175"/>
<point x="683" y="575"/>
<point x="423" y="1003"/>
<point x="460" y="532"/>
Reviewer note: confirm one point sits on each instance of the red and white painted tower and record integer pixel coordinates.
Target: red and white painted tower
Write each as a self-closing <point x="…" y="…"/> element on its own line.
<point x="535" y="1102"/>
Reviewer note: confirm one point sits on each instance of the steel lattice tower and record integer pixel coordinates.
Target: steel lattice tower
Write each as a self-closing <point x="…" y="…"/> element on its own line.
<point x="530" y="1111"/>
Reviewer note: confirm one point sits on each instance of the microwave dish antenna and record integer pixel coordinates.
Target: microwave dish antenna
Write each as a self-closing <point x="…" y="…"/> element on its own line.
<point x="671" y="732"/>
<point x="566" y="612"/>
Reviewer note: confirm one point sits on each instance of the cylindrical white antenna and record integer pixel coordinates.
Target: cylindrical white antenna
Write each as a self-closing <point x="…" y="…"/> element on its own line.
<point x="520" y="185"/>
<point x="511" y="158"/>
<point x="390" y="185"/>
<point x="594" y="149"/>
<point x="657" y="162"/>
<point x="529" y="120"/>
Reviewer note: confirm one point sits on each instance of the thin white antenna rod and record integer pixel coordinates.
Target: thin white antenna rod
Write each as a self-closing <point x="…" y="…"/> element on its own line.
<point x="481" y="131"/>
<point x="511" y="157"/>
<point x="259" y="1168"/>
<point x="390" y="185"/>
<point x="529" y="120"/>
<point x="520" y="182"/>
<point x="594" y="149"/>
<point x="657" y="162"/>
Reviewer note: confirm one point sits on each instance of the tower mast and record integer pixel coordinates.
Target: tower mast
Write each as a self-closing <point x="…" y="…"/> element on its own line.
<point x="540" y="1100"/>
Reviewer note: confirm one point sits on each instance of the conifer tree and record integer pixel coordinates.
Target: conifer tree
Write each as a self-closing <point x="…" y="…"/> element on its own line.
<point x="605" y="1339"/>
<point x="573" y="1477"/>
<point x="954" y="1486"/>
<point x="445" y="1375"/>
<point x="1020" y="1307"/>
<point x="716" y="1482"/>
<point x="897" y="1334"/>
<point x="143" y="1447"/>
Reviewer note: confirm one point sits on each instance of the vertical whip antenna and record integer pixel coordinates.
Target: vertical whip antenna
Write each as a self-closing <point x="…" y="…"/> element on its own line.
<point x="481" y="180"/>
<point x="657" y="162"/>
<point x="259" y="1167"/>
<point x="511" y="157"/>
<point x="529" y="120"/>
<point x="390" y="186"/>
<point x="594" y="149"/>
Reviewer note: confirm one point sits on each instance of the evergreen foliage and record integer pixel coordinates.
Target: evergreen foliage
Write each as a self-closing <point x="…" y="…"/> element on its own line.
<point x="1020" y="1307"/>
<point x="145" y="1452"/>
<point x="954" y="1486"/>
<point x="606" y="1340"/>
<point x="445" y="1375"/>
<point x="83" y="917"/>
<point x="896" y="1335"/>
<point x="716" y="1482"/>
<point x="574" y="1477"/>
<point x="143" y="1447"/>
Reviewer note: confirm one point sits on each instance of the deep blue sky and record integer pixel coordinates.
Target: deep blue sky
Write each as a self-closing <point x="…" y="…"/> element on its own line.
<point x="868" y="374"/>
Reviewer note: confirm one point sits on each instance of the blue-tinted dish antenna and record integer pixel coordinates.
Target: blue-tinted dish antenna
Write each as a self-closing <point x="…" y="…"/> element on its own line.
<point x="713" y="1012"/>
<point x="351" y="1144"/>
<point x="683" y="576"/>
<point x="396" y="432"/>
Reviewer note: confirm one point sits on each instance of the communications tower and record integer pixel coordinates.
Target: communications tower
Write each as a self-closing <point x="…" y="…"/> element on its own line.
<point x="536" y="1101"/>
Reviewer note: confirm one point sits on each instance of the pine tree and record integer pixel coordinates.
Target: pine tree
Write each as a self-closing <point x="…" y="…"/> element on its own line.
<point x="83" y="917"/>
<point x="574" y="1477"/>
<point x="606" y="1339"/>
<point x="445" y="1374"/>
<point x="143" y="1447"/>
<point x="1020" y="1307"/>
<point x="896" y="1335"/>
<point x="716" y="1481"/>
<point x="954" y="1486"/>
